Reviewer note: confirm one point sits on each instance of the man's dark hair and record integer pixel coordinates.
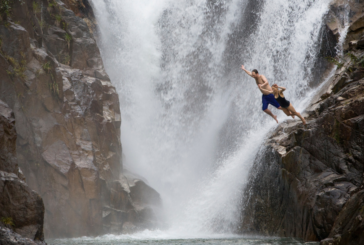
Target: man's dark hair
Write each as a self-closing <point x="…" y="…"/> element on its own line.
<point x="255" y="71"/>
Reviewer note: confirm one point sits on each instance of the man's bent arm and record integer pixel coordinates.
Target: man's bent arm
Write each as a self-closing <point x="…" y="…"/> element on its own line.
<point x="265" y="82"/>
<point x="247" y="72"/>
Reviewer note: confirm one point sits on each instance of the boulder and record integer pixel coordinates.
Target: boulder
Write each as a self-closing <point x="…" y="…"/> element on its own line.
<point x="9" y="237"/>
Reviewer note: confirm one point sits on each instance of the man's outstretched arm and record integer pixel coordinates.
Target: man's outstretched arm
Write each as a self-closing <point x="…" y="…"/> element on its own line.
<point x="247" y="72"/>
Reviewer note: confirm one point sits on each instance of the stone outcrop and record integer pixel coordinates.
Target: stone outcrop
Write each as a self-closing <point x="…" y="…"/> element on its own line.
<point x="307" y="182"/>
<point x="68" y="120"/>
<point x="342" y="11"/>
<point x="9" y="237"/>
<point x="20" y="208"/>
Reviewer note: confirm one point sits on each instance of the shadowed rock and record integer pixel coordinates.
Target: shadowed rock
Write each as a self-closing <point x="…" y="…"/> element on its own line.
<point x="20" y="207"/>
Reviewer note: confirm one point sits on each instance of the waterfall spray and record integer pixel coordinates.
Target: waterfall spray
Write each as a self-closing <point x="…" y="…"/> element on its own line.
<point x="192" y="121"/>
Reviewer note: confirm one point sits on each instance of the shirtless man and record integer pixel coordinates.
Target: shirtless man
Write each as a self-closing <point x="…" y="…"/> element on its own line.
<point x="268" y="97"/>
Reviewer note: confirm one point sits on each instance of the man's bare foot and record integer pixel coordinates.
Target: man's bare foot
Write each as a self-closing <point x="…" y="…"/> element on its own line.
<point x="275" y="118"/>
<point x="293" y="115"/>
<point x="304" y="122"/>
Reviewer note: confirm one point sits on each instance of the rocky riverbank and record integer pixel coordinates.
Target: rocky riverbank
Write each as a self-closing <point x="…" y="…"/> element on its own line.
<point x="67" y="119"/>
<point x="307" y="182"/>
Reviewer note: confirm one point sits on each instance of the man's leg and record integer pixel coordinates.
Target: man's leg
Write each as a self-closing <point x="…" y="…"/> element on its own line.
<point x="271" y="114"/>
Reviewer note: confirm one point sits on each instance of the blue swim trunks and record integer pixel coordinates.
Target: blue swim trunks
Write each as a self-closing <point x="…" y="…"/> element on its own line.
<point x="269" y="99"/>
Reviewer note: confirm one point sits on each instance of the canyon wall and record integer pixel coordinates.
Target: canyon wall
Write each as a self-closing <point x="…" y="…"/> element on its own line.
<point x="67" y="118"/>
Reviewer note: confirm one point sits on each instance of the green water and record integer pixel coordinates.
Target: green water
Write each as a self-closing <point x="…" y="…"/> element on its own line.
<point x="116" y="240"/>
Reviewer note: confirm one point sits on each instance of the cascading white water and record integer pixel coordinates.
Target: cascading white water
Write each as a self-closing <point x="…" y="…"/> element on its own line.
<point x="192" y="120"/>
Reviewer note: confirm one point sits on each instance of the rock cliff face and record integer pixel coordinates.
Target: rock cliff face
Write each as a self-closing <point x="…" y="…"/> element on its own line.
<point x="68" y="121"/>
<point x="20" y="208"/>
<point x="307" y="182"/>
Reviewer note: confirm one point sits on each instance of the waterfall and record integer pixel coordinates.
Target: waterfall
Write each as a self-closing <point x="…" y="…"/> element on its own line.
<point x="192" y="119"/>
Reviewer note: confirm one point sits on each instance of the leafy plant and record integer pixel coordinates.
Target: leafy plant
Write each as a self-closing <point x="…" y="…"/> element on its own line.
<point x="53" y="86"/>
<point x="68" y="39"/>
<point x="52" y="4"/>
<point x="67" y="59"/>
<point x="7" y="221"/>
<point x="335" y="62"/>
<point x="41" y="24"/>
<point x="356" y="60"/>
<point x="18" y="68"/>
<point x="36" y="7"/>
<point x="353" y="58"/>
<point x="336" y="132"/>
<point x="58" y="17"/>
<point x="64" y="26"/>
<point x="6" y="8"/>
<point x="47" y="67"/>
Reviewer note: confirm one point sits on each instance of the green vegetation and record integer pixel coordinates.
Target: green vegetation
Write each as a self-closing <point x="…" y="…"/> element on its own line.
<point x="355" y="60"/>
<point x="36" y="7"/>
<point x="52" y="4"/>
<point x="18" y="68"/>
<point x="336" y="132"/>
<point x="335" y="62"/>
<point x="38" y="72"/>
<point x="53" y="86"/>
<point x="67" y="59"/>
<point x="47" y="67"/>
<point x="6" y="8"/>
<point x="7" y="221"/>
<point x="58" y="17"/>
<point x="41" y="24"/>
<point x="68" y="39"/>
<point x="64" y="26"/>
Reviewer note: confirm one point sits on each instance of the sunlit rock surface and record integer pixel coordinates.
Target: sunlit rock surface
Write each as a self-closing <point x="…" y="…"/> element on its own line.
<point x="67" y="119"/>
<point x="21" y="209"/>
<point x="307" y="182"/>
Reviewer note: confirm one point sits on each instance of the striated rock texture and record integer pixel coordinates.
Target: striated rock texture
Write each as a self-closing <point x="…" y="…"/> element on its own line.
<point x="308" y="181"/>
<point x="20" y="208"/>
<point x="68" y="121"/>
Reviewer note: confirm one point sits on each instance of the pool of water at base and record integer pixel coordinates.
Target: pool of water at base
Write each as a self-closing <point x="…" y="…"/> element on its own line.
<point x="116" y="240"/>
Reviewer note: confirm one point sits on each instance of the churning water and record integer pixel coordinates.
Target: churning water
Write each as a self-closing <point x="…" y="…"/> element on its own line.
<point x="192" y="119"/>
<point x="139" y="239"/>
